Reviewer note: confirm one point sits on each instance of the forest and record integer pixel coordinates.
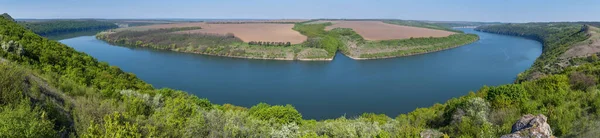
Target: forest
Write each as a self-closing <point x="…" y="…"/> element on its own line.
<point x="51" y="90"/>
<point x="56" y="27"/>
<point x="413" y="46"/>
<point x="555" y="37"/>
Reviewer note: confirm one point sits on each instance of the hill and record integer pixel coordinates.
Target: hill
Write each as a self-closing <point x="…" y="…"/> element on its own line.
<point x="8" y="17"/>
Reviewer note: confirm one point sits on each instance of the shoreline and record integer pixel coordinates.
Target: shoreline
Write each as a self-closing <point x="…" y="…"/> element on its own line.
<point x="229" y="56"/>
<point x="387" y="57"/>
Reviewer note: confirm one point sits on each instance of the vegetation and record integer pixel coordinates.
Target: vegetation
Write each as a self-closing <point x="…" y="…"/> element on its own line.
<point x="319" y="38"/>
<point x="261" y="43"/>
<point x="321" y="44"/>
<point x="50" y="90"/>
<point x="556" y="38"/>
<point x="209" y="44"/>
<point x="406" y="47"/>
<point x="8" y="17"/>
<point x="56" y="27"/>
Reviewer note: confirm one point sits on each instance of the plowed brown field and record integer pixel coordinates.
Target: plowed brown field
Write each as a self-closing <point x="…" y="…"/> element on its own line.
<point x="377" y="30"/>
<point x="269" y="32"/>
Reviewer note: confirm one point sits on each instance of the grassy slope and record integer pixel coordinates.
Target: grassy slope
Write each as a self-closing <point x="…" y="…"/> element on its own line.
<point x="570" y="99"/>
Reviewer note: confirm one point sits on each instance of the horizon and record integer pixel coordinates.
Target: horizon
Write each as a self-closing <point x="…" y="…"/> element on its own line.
<point x="428" y="10"/>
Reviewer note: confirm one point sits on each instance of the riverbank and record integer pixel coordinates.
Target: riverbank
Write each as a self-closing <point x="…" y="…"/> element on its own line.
<point x="368" y="50"/>
<point x="213" y="45"/>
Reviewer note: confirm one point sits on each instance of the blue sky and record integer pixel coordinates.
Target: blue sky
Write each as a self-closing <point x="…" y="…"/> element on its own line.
<point x="441" y="10"/>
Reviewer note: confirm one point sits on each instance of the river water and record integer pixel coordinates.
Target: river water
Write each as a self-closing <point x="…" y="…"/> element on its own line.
<point x="323" y="90"/>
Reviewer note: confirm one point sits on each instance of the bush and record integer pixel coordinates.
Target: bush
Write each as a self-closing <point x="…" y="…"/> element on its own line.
<point x="581" y="81"/>
<point x="11" y="83"/>
<point x="281" y="114"/>
<point x="506" y="96"/>
<point x="20" y="120"/>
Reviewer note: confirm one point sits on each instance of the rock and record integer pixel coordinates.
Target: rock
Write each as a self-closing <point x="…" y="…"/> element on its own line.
<point x="530" y="126"/>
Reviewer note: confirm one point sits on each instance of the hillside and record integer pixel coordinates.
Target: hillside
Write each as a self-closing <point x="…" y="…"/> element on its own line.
<point x="557" y="38"/>
<point x="58" y="27"/>
<point x="81" y="97"/>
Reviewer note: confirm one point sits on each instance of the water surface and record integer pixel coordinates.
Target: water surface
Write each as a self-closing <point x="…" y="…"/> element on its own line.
<point x="322" y="90"/>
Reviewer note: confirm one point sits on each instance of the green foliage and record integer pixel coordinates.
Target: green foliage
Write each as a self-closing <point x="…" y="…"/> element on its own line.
<point x="21" y="120"/>
<point x="54" y="27"/>
<point x="407" y="47"/>
<point x="281" y="114"/>
<point x="319" y="38"/>
<point x="115" y="126"/>
<point x="379" y="118"/>
<point x="506" y="95"/>
<point x="49" y="56"/>
<point x="11" y="84"/>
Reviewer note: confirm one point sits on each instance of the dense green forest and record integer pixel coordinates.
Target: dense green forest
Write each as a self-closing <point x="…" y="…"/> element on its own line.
<point x="555" y="37"/>
<point x="56" y="27"/>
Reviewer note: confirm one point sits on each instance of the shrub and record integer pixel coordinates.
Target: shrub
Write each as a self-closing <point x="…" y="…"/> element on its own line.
<point x="581" y="81"/>
<point x="281" y="114"/>
<point x="506" y="96"/>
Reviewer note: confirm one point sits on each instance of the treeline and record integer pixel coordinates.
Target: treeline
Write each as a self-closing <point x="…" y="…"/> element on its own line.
<point x="54" y="27"/>
<point x="94" y="99"/>
<point x="555" y="37"/>
<point x="318" y="37"/>
<point x="261" y="43"/>
<point x="171" y="39"/>
<point x="413" y="46"/>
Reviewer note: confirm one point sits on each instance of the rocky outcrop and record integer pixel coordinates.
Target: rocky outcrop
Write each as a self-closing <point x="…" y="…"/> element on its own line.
<point x="530" y="126"/>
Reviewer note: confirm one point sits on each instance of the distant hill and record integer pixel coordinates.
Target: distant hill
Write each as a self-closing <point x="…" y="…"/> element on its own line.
<point x="57" y="27"/>
<point x="6" y="16"/>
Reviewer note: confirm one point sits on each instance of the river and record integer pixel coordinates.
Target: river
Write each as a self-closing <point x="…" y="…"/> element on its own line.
<point x="324" y="90"/>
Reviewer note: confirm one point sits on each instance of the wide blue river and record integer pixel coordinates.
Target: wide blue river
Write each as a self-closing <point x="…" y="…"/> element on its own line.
<point x="322" y="90"/>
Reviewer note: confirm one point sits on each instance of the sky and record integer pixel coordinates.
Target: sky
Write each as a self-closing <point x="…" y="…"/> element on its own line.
<point x="436" y="10"/>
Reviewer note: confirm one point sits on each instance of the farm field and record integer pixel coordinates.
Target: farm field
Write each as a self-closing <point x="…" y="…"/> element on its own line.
<point x="269" y="32"/>
<point x="377" y="30"/>
<point x="216" y="39"/>
<point x="266" y="32"/>
<point x="373" y="39"/>
<point x="282" y="40"/>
